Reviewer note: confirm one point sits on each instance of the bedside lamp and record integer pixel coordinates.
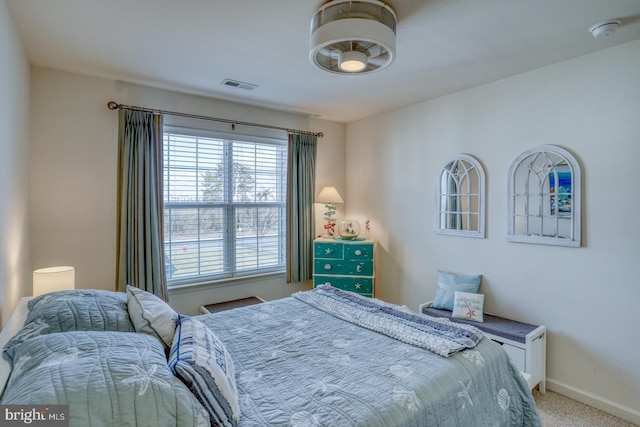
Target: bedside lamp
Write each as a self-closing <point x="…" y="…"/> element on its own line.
<point x="329" y="196"/>
<point x="53" y="279"/>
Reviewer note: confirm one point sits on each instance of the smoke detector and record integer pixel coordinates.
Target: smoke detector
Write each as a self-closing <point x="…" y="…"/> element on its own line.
<point x="353" y="37"/>
<point x="605" y="28"/>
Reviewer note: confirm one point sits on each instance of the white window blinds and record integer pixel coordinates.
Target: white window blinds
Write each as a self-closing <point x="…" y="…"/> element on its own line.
<point x="224" y="205"/>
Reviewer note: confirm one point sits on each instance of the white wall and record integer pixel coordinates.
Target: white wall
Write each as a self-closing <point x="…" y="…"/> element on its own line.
<point x="15" y="278"/>
<point x="74" y="175"/>
<point x="587" y="297"/>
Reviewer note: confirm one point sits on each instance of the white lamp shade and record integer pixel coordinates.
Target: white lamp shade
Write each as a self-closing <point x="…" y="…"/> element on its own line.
<point x="53" y="279"/>
<point x="329" y="195"/>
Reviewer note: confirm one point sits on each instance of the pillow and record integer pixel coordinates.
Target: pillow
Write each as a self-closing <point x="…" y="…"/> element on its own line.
<point x="448" y="283"/>
<point x="468" y="306"/>
<point x="106" y="379"/>
<point x="73" y="310"/>
<point x="150" y="315"/>
<point x="203" y="364"/>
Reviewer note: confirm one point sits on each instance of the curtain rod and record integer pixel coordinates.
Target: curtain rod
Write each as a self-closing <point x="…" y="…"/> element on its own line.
<point x="112" y="105"/>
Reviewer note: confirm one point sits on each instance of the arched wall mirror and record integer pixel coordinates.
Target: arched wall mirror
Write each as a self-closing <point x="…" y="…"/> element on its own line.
<point x="460" y="194"/>
<point x="544" y="197"/>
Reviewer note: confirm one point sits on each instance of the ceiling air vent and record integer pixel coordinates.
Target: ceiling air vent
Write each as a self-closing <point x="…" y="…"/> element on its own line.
<point x="239" y="85"/>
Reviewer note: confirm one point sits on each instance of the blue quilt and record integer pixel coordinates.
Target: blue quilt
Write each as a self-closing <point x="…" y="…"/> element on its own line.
<point x="107" y="378"/>
<point x="300" y="366"/>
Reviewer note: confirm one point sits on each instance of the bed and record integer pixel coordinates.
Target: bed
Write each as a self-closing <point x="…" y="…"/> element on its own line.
<point x="318" y="358"/>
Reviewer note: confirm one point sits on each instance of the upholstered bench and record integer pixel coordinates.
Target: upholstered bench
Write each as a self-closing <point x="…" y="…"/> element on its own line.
<point x="524" y="343"/>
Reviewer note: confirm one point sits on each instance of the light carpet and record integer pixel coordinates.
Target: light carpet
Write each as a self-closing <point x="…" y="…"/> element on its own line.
<point x="557" y="410"/>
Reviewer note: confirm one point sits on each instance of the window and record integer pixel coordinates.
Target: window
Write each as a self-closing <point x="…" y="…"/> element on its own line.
<point x="224" y="205"/>
<point x="460" y="198"/>
<point x="544" y="197"/>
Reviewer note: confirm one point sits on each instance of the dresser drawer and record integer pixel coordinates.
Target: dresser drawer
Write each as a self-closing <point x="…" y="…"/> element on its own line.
<point x="358" y="251"/>
<point x="328" y="250"/>
<point x="347" y="265"/>
<point x="361" y="285"/>
<point x="347" y="268"/>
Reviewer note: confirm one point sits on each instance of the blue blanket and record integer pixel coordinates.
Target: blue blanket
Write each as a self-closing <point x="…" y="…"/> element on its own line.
<point x="107" y="378"/>
<point x="437" y="335"/>
<point x="300" y="366"/>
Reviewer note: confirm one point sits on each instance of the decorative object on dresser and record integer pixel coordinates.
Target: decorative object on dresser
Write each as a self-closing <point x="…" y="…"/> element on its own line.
<point x="345" y="264"/>
<point x="329" y="196"/>
<point x="349" y="229"/>
<point x="525" y="344"/>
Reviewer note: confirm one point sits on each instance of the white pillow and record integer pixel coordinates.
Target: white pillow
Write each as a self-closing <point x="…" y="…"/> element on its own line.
<point x="150" y="315"/>
<point x="468" y="306"/>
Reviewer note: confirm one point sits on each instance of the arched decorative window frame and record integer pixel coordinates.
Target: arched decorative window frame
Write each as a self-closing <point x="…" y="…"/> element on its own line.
<point x="575" y="216"/>
<point x="476" y="167"/>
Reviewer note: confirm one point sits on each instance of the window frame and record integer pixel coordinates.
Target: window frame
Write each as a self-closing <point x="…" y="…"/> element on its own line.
<point x="230" y="270"/>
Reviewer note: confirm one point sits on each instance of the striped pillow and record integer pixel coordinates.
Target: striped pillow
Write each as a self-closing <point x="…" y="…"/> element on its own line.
<point x="200" y="360"/>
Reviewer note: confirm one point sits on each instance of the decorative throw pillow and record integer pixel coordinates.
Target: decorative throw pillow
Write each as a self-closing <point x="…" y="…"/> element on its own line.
<point x="468" y="306"/>
<point x="150" y="315"/>
<point x="201" y="361"/>
<point x="449" y="283"/>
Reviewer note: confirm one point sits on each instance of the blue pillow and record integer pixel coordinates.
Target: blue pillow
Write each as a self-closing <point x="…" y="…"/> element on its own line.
<point x="73" y="310"/>
<point x="200" y="360"/>
<point x="449" y="283"/>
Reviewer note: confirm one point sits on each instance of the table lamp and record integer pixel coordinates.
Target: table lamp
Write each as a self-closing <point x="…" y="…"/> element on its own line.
<point x="329" y="196"/>
<point x="53" y="279"/>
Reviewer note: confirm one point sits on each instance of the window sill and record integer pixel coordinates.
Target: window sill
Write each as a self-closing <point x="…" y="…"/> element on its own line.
<point x="231" y="281"/>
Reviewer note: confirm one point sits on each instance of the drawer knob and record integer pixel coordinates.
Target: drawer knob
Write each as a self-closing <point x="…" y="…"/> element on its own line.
<point x="327" y="266"/>
<point x="327" y="283"/>
<point x="358" y="252"/>
<point x="359" y="269"/>
<point x="358" y="286"/>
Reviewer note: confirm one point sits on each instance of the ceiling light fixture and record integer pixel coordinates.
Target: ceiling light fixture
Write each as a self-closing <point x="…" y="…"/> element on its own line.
<point x="353" y="37"/>
<point x="603" y="29"/>
<point x="352" y="61"/>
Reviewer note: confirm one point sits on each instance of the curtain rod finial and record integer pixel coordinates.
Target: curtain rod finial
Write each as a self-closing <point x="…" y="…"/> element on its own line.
<point x="320" y="135"/>
<point x="111" y="105"/>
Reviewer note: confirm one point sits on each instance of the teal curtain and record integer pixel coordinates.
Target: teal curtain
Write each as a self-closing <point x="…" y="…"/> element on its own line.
<point x="140" y="258"/>
<point x="301" y="177"/>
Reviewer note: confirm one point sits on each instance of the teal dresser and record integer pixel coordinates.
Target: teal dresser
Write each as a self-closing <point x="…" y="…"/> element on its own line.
<point x="344" y="264"/>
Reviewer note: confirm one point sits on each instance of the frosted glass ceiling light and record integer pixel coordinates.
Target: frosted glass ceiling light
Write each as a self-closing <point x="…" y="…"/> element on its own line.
<point x="352" y="61"/>
<point x="353" y="37"/>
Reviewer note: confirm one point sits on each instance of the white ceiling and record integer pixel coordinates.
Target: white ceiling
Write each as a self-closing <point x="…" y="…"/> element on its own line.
<point x="191" y="46"/>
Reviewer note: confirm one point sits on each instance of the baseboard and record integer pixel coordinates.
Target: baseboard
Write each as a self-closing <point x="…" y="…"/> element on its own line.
<point x="596" y="401"/>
